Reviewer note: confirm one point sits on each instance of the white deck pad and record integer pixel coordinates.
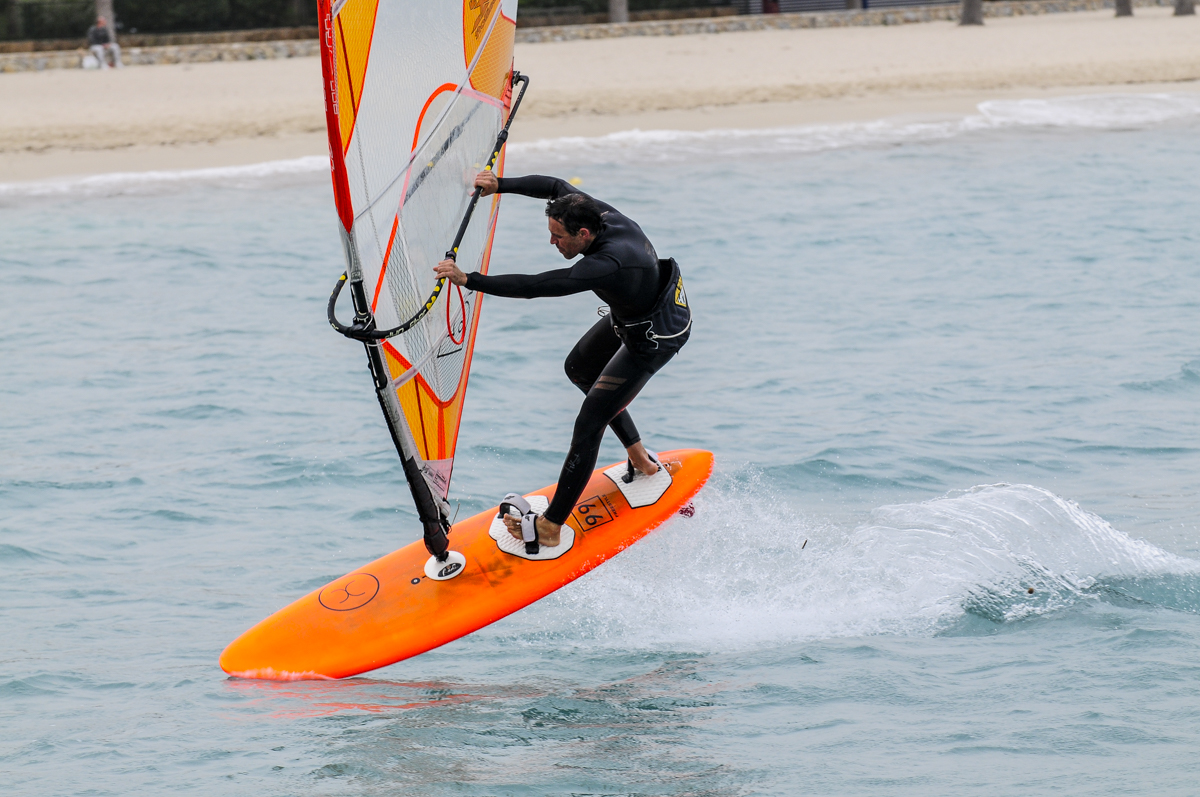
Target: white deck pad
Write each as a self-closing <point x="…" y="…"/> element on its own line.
<point x="643" y="490"/>
<point x="511" y="545"/>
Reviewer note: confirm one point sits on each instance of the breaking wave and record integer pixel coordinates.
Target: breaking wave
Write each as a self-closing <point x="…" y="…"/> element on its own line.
<point x="748" y="572"/>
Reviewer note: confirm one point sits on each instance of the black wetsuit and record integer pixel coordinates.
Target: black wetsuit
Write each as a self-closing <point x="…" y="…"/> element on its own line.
<point x="98" y="35"/>
<point x="622" y="268"/>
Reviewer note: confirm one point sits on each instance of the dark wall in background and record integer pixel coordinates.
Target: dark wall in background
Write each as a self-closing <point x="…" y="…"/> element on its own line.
<point x="601" y="6"/>
<point x="45" y="20"/>
<point x="62" y="19"/>
<point x="172" y="16"/>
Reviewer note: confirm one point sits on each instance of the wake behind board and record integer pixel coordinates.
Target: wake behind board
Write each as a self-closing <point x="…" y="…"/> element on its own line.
<point x="392" y="609"/>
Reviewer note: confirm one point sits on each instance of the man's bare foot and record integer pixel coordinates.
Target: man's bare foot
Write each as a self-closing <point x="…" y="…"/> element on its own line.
<point x="641" y="459"/>
<point x="548" y="533"/>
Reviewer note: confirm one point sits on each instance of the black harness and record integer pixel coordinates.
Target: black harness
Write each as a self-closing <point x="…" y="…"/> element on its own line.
<point x="667" y="326"/>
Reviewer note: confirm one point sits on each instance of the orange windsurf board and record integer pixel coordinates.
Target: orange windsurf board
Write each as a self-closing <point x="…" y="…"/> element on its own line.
<point x="392" y="609"/>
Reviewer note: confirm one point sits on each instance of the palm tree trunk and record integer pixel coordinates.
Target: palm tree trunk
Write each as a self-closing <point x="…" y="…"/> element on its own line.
<point x="104" y="8"/>
<point x="1124" y="8"/>
<point x="1185" y="8"/>
<point x="618" y="10"/>
<point x="972" y="12"/>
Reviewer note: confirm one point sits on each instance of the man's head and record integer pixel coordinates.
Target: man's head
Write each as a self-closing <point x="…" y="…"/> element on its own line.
<point x="574" y="221"/>
<point x="101" y="22"/>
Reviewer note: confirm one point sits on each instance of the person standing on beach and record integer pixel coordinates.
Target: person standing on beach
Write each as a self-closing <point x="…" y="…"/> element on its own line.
<point x="649" y="321"/>
<point x="101" y="41"/>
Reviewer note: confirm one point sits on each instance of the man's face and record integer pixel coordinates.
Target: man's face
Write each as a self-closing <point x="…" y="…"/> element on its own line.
<point x="568" y="245"/>
<point x="100" y="22"/>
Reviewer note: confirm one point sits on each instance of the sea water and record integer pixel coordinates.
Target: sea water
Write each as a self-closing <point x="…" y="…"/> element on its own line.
<point x="950" y="370"/>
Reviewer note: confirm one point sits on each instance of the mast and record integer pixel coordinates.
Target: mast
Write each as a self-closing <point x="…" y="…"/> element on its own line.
<point x="432" y="512"/>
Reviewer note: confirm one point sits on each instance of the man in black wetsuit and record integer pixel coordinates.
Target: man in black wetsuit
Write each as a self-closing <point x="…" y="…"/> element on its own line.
<point x="649" y="321"/>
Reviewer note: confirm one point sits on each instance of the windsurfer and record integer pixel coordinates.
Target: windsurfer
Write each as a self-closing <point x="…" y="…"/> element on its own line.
<point x="649" y="321"/>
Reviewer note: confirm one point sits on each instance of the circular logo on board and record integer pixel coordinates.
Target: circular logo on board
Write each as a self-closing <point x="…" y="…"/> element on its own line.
<point x="349" y="592"/>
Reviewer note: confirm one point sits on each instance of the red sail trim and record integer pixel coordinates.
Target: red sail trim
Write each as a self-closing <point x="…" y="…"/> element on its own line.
<point x="396" y="221"/>
<point x="387" y="255"/>
<point x="421" y="119"/>
<point x="337" y="160"/>
<point x="475" y="95"/>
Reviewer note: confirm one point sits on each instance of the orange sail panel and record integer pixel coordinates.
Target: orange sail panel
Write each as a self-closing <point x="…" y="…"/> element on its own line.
<point x="416" y="93"/>
<point x="353" y="28"/>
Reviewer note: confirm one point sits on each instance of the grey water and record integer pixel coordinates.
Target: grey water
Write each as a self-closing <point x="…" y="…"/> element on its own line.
<point x="950" y="372"/>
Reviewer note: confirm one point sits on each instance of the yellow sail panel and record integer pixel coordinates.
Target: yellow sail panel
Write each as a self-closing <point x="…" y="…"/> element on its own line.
<point x="421" y="407"/>
<point x="433" y="422"/>
<point x="354" y="29"/>
<point x="490" y="73"/>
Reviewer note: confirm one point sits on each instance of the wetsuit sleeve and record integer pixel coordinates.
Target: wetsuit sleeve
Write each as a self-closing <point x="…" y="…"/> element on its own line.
<point x="541" y="187"/>
<point x="536" y="186"/>
<point x="589" y="274"/>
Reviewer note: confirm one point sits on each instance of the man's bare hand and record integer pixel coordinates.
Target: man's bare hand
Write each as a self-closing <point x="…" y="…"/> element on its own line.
<point x="450" y="270"/>
<point x="488" y="182"/>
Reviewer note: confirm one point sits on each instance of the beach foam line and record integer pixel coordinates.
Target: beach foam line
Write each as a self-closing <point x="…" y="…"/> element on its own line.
<point x="123" y="182"/>
<point x="1092" y="112"/>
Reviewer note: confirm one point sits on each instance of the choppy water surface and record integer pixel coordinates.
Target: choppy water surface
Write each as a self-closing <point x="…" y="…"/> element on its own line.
<point x="941" y="364"/>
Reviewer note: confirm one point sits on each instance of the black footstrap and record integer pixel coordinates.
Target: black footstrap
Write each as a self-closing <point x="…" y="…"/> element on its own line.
<point x="632" y="472"/>
<point x="528" y="520"/>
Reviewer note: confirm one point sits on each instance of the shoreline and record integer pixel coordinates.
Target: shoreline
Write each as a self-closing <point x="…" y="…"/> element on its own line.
<point x="193" y="116"/>
<point x="65" y="164"/>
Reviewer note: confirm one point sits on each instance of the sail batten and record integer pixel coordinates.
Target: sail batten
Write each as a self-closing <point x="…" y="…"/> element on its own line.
<point x="416" y="95"/>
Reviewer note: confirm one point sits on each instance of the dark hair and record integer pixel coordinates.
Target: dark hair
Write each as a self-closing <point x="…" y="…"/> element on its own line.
<point x="576" y="212"/>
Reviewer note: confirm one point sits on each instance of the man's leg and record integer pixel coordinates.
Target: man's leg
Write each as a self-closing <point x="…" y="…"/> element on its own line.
<point x="98" y="51"/>
<point x="616" y="386"/>
<point x="116" y="51"/>
<point x="587" y="361"/>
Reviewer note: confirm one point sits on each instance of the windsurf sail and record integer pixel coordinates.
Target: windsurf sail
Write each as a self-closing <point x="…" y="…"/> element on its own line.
<point x="418" y="98"/>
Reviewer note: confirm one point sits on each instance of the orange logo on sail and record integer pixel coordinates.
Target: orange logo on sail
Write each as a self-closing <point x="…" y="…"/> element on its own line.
<point x="483" y="15"/>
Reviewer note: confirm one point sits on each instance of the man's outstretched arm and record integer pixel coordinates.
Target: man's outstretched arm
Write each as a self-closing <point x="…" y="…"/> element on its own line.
<point x="535" y="185"/>
<point x="589" y="274"/>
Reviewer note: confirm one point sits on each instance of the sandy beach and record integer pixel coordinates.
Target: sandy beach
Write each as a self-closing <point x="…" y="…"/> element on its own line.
<point x="75" y="122"/>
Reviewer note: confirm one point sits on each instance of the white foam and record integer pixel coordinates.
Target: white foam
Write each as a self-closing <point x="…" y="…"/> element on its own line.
<point x="739" y="574"/>
<point x="130" y="182"/>
<point x="1099" y="111"/>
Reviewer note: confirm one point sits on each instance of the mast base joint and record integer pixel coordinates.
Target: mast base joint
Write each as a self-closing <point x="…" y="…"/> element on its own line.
<point x="453" y="565"/>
